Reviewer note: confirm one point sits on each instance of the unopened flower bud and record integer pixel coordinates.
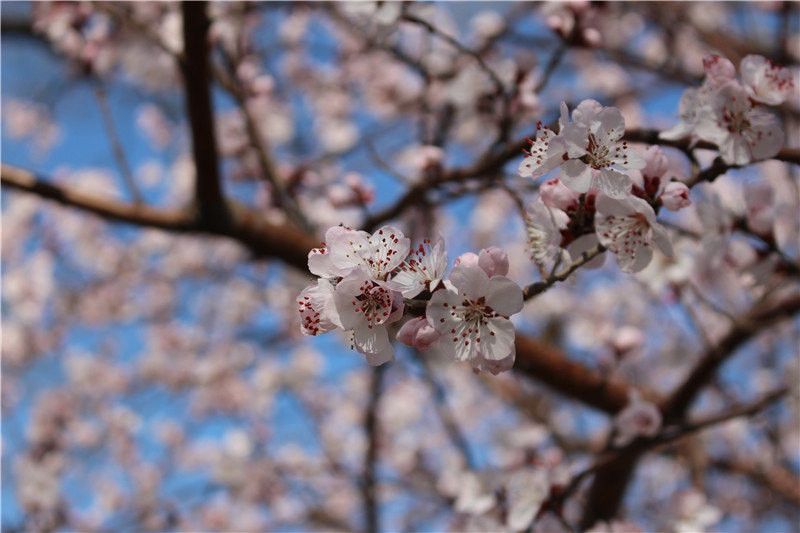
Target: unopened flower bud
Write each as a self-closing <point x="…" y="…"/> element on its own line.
<point x="493" y="261"/>
<point x="467" y="259"/>
<point x="418" y="333"/>
<point x="675" y="196"/>
<point x="558" y="196"/>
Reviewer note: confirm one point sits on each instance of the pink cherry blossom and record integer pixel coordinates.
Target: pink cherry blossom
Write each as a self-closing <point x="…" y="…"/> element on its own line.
<point x="765" y="81"/>
<point x="629" y="229"/>
<point x="424" y="268"/>
<point x="540" y="158"/>
<point x="556" y="195"/>
<point x="379" y="253"/>
<point x="591" y="150"/>
<point x="527" y="490"/>
<point x="472" y="314"/>
<point x="719" y="70"/>
<point x="638" y="419"/>
<point x="317" y="310"/>
<point x="418" y="333"/>
<point x="467" y="259"/>
<point x="544" y="225"/>
<point x="493" y="261"/>
<point x="692" y="101"/>
<point x="365" y="306"/>
<point x="744" y="133"/>
<point x="319" y="259"/>
<point x="675" y="196"/>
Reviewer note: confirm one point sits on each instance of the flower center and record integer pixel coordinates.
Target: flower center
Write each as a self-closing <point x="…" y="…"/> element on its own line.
<point x="374" y="302"/>
<point x="476" y="311"/>
<point x="736" y="121"/>
<point x="627" y="233"/>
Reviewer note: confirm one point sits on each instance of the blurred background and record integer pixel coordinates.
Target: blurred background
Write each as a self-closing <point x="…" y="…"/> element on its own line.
<point x="156" y="379"/>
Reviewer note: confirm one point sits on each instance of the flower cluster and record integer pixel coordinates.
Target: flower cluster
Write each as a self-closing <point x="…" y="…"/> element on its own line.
<point x="363" y="280"/>
<point x="606" y="194"/>
<point x="589" y="149"/>
<point x="730" y="113"/>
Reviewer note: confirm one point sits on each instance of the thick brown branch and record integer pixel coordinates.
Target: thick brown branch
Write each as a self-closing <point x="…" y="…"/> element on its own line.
<point x="611" y="481"/>
<point x="369" y="491"/>
<point x="286" y="243"/>
<point x="756" y="321"/>
<point x="173" y="219"/>
<point x="548" y="364"/>
<point x="208" y="191"/>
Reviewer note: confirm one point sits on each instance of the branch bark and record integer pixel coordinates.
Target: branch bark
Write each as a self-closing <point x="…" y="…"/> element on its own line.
<point x="611" y="481"/>
<point x="535" y="359"/>
<point x="264" y="239"/>
<point x="208" y="191"/>
<point x="549" y="364"/>
<point x="491" y="163"/>
<point x="369" y="492"/>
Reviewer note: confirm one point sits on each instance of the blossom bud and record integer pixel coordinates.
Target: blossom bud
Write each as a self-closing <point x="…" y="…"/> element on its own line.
<point x="557" y="195"/>
<point x="759" y="202"/>
<point x="592" y="37"/>
<point x="493" y="261"/>
<point x="675" y="196"/>
<point x="719" y="70"/>
<point x="627" y="339"/>
<point x="418" y="333"/>
<point x="467" y="259"/>
<point x="655" y="162"/>
<point x="427" y="156"/>
<point x="639" y="418"/>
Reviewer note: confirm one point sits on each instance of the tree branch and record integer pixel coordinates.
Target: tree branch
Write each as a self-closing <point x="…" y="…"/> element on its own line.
<point x="641" y="445"/>
<point x="208" y="191"/>
<point x="547" y="363"/>
<point x="368" y="488"/>
<point x="540" y="286"/>
<point x="284" y="242"/>
<point x="611" y="481"/>
<point x="268" y="168"/>
<point x="744" y="330"/>
<point x="178" y="220"/>
<point x="449" y="421"/>
<point x="498" y="83"/>
<point x="116" y="144"/>
<point x="490" y="163"/>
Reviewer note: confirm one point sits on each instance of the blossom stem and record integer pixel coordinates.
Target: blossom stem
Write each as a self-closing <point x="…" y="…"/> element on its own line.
<point x="540" y="286"/>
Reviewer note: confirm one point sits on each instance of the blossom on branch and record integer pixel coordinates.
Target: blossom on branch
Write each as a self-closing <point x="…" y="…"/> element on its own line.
<point x="424" y="268"/>
<point x="728" y="113"/>
<point x="472" y="313"/>
<point x="589" y="150"/>
<point x="629" y="229"/>
<point x="366" y="305"/>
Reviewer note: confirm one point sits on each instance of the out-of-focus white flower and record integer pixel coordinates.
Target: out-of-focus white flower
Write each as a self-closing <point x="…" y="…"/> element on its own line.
<point x="629" y="229"/>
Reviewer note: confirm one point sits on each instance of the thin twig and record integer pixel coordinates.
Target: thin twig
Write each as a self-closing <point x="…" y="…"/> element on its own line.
<point x="262" y="148"/>
<point x="116" y="145"/>
<point x="445" y="414"/>
<point x="540" y="286"/>
<point x="498" y="83"/>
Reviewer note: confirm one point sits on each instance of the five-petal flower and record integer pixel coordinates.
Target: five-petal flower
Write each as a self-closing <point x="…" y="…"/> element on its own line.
<point x="472" y="313"/>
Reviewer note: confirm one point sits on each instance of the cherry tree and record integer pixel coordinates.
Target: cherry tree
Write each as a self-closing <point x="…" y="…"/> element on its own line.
<point x="400" y="266"/>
